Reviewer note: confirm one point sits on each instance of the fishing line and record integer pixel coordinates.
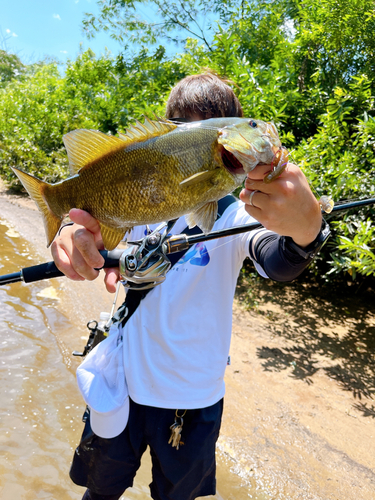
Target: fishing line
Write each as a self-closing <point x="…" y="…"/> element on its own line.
<point x="233" y="236"/>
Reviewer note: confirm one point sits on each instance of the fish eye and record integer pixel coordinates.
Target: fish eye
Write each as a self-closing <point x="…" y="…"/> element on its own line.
<point x="253" y="124"/>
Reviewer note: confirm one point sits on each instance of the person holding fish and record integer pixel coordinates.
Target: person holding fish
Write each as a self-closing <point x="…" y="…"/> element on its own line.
<point x="157" y="380"/>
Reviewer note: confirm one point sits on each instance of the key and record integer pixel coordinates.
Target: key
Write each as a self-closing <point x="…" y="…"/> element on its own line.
<point x="176" y="429"/>
<point x="175" y="438"/>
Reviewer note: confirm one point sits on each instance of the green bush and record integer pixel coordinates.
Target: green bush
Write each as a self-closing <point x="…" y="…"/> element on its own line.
<point x="33" y="116"/>
<point x="103" y="93"/>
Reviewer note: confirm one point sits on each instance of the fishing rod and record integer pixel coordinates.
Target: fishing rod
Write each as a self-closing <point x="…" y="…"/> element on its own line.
<point x="145" y="263"/>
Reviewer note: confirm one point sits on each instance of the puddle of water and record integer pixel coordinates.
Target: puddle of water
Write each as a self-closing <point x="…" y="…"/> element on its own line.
<point x="40" y="406"/>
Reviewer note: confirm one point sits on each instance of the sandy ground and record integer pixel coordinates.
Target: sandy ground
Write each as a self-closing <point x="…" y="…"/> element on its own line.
<point x="299" y="413"/>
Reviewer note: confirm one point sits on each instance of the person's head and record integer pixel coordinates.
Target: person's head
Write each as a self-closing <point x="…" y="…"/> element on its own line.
<point x="199" y="97"/>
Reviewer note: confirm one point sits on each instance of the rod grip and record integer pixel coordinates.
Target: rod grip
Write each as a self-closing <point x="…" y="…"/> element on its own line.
<point x="40" y="272"/>
<point x="49" y="270"/>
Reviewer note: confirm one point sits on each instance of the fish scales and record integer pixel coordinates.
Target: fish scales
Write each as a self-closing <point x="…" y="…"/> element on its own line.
<point x="124" y="182"/>
<point x="143" y="172"/>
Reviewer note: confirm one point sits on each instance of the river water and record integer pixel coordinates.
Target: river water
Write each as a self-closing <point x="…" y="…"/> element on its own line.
<point x="40" y="406"/>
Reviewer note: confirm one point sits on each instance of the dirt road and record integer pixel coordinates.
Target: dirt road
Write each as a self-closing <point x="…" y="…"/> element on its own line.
<point x="299" y="415"/>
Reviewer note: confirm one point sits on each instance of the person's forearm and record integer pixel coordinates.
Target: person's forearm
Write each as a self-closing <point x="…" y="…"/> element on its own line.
<point x="278" y="257"/>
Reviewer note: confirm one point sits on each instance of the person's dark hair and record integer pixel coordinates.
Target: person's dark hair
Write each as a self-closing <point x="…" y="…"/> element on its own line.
<point x="205" y="95"/>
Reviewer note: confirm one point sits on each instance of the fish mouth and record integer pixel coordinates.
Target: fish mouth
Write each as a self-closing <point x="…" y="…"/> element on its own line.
<point x="231" y="163"/>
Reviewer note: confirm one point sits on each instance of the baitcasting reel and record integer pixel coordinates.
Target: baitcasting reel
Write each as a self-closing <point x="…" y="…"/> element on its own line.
<point x="145" y="264"/>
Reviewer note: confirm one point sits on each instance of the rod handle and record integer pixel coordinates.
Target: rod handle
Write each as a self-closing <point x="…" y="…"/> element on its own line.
<point x="49" y="270"/>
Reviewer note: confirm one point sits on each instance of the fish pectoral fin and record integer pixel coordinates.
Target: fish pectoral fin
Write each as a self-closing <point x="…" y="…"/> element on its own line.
<point x="195" y="178"/>
<point x="204" y="217"/>
<point x="112" y="237"/>
<point x="85" y="147"/>
<point x="190" y="220"/>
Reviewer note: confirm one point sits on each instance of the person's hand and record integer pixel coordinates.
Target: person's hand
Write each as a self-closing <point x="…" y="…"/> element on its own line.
<point x="286" y="205"/>
<point x="76" y="250"/>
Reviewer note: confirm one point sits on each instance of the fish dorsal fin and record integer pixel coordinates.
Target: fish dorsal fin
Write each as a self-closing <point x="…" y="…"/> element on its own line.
<point x="112" y="237"/>
<point x="86" y="146"/>
<point x="199" y="177"/>
<point x="141" y="132"/>
<point x="204" y="217"/>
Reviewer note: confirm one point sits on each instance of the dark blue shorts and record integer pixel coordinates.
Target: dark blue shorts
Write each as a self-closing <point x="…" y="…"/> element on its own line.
<point x="108" y="466"/>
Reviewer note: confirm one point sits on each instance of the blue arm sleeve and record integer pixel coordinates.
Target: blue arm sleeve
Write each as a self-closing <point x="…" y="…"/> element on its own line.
<point x="279" y="261"/>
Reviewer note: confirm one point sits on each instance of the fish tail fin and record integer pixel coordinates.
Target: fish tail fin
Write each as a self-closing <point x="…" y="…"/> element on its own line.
<point x="35" y="188"/>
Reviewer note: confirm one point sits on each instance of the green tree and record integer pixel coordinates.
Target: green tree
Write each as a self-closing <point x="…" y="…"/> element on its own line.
<point x="117" y="91"/>
<point x="102" y="93"/>
<point x="35" y="113"/>
<point x="335" y="41"/>
<point x="307" y="47"/>
<point x="175" y="21"/>
<point x="10" y="67"/>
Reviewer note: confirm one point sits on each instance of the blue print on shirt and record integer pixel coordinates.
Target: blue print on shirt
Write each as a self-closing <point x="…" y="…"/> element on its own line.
<point x="197" y="256"/>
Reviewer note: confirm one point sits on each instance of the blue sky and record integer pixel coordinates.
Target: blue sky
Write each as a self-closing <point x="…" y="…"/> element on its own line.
<point x="37" y="28"/>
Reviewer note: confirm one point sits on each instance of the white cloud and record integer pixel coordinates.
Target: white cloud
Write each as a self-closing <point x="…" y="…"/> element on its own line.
<point x="63" y="51"/>
<point x="57" y="16"/>
<point x="9" y="32"/>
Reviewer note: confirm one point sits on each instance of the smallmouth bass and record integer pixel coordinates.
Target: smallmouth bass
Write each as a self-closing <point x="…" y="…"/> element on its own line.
<point x="155" y="172"/>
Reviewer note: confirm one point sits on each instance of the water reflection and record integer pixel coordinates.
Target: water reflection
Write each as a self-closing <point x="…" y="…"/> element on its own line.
<point x="40" y="406"/>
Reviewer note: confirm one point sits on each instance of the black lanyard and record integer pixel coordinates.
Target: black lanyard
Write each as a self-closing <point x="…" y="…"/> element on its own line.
<point x="133" y="297"/>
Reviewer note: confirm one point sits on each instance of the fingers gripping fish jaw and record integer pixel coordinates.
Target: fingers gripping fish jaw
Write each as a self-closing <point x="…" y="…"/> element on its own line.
<point x="279" y="162"/>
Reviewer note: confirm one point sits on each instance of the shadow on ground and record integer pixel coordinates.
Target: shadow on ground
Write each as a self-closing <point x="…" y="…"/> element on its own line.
<point x="326" y="330"/>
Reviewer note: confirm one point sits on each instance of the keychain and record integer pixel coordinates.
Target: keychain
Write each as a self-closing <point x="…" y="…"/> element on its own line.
<point x="176" y="429"/>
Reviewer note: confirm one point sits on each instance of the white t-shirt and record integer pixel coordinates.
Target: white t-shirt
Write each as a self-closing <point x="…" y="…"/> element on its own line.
<point x="176" y="344"/>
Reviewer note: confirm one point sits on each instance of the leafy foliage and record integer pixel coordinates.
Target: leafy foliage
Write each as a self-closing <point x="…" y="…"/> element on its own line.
<point x="32" y="121"/>
<point x="357" y="251"/>
<point x="103" y="94"/>
<point x="336" y="40"/>
<point x="339" y="161"/>
<point x="10" y="67"/>
<point x="121" y="18"/>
